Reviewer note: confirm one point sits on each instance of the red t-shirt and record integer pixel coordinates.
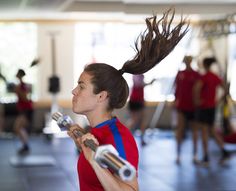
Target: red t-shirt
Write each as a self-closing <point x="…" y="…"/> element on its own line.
<point x="109" y="132"/>
<point x="22" y="104"/>
<point x="184" y="82"/>
<point x="208" y="92"/>
<point x="137" y="92"/>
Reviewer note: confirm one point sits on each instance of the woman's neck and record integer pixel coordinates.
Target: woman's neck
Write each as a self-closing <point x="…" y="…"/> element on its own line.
<point x="95" y="119"/>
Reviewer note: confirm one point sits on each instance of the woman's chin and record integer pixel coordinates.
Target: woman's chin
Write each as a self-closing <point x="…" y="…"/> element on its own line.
<point x="74" y="110"/>
<point x="77" y="111"/>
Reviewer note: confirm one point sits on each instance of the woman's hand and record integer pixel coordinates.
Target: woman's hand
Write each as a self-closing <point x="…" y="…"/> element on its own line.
<point x="88" y="153"/>
<point x="71" y="133"/>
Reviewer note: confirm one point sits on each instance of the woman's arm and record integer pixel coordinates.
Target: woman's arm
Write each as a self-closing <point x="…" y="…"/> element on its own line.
<point x="149" y="83"/>
<point x="111" y="182"/>
<point x="196" y="93"/>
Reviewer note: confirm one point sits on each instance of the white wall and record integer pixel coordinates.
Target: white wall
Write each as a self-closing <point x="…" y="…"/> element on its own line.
<point x="64" y="48"/>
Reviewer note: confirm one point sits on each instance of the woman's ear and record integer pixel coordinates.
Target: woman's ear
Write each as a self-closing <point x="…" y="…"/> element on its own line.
<point x="103" y="95"/>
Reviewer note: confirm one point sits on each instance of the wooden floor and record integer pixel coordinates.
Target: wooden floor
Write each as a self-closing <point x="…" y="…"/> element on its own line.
<point x="157" y="168"/>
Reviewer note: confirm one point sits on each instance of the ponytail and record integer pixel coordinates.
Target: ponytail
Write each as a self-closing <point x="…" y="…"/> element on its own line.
<point x="155" y="43"/>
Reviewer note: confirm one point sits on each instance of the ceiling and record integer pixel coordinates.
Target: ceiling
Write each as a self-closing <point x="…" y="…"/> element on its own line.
<point x="17" y="8"/>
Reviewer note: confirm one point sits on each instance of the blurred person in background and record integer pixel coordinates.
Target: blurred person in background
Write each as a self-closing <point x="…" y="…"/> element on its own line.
<point x="206" y="101"/>
<point x="184" y="105"/>
<point x="136" y="106"/>
<point x="25" y="112"/>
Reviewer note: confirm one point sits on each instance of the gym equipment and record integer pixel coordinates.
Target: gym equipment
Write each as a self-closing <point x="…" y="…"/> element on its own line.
<point x="53" y="87"/>
<point x="32" y="161"/>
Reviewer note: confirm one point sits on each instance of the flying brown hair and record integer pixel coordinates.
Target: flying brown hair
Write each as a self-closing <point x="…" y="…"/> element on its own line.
<point x="156" y="42"/>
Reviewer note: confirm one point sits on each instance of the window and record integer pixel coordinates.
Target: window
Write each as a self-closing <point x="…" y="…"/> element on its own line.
<point x="17" y="50"/>
<point x="113" y="43"/>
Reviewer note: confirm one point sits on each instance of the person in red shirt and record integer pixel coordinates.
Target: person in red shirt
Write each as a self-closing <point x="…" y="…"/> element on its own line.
<point x="25" y="111"/>
<point x="136" y="105"/>
<point x="101" y="88"/>
<point x="184" y="104"/>
<point x="205" y="100"/>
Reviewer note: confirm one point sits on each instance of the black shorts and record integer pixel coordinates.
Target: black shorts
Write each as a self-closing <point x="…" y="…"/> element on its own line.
<point x="28" y="114"/>
<point x="206" y="116"/>
<point x="188" y="115"/>
<point x="135" y="106"/>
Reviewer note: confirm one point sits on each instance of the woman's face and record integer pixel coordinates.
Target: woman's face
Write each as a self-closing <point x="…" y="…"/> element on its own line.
<point x="84" y="100"/>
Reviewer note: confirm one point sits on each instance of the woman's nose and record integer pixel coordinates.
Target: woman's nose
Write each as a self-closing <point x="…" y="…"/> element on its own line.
<point x="73" y="91"/>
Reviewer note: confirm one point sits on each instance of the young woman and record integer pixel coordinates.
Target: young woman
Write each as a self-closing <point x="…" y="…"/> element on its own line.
<point x="205" y="99"/>
<point x="25" y="112"/>
<point x="101" y="88"/>
<point x="136" y="105"/>
<point x="184" y="105"/>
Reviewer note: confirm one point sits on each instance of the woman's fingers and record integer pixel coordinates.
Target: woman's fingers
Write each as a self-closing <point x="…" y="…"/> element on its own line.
<point x="89" y="136"/>
<point x="80" y="140"/>
<point x="72" y="130"/>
